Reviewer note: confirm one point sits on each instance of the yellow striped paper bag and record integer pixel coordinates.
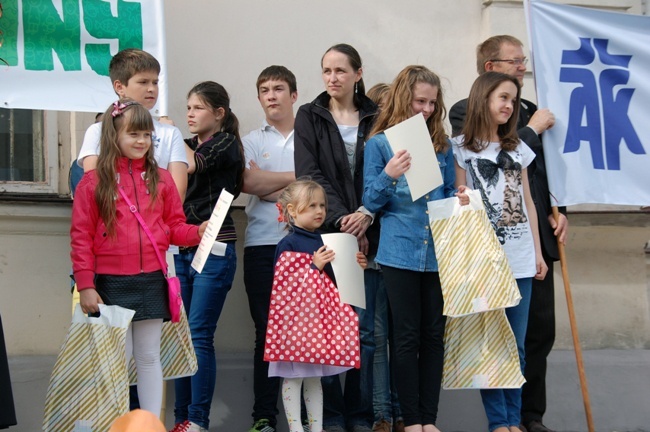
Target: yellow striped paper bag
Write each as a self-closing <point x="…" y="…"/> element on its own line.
<point x="481" y="352"/>
<point x="177" y="355"/>
<point x="88" y="388"/>
<point x="473" y="267"/>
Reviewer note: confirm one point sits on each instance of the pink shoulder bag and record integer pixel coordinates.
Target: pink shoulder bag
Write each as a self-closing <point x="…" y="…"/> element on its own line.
<point x="173" y="283"/>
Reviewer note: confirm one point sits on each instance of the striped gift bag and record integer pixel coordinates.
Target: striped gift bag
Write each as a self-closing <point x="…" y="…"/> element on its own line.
<point x="474" y="271"/>
<point x="481" y="352"/>
<point x="177" y="355"/>
<point x="88" y="388"/>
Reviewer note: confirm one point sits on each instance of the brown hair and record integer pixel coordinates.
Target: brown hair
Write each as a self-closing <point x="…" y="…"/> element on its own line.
<point x="299" y="193"/>
<point x="491" y="48"/>
<point x="277" y="73"/>
<point x="378" y="92"/>
<point x="129" y="62"/>
<point x="397" y="107"/>
<point x="132" y="117"/>
<point x="355" y="61"/>
<point x="479" y="125"/>
<point x="214" y="95"/>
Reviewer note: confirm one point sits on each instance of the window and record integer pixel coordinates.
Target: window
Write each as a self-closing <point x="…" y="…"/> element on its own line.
<point x="27" y="153"/>
<point x="21" y="144"/>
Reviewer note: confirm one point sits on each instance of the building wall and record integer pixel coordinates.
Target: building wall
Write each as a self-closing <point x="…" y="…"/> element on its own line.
<point x="231" y="42"/>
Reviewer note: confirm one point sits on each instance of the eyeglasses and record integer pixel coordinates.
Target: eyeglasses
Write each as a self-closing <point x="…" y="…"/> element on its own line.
<point x="515" y="62"/>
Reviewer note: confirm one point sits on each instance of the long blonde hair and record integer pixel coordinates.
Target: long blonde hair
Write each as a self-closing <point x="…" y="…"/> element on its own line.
<point x="131" y="116"/>
<point x="397" y="106"/>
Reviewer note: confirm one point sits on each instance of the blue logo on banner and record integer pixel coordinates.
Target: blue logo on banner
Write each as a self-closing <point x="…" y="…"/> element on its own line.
<point x="596" y="101"/>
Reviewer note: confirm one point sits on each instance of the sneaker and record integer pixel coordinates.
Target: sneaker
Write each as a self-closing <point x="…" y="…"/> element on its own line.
<point x="305" y="426"/>
<point x="382" y="426"/>
<point x="181" y="427"/>
<point x="196" y="428"/>
<point x="262" y="425"/>
<point x="537" y="426"/>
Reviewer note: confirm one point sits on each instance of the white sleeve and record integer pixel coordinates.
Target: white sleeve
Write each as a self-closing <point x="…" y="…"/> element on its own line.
<point x="90" y="146"/>
<point x="177" y="147"/>
<point x="458" y="151"/>
<point x="250" y="149"/>
<point x="527" y="155"/>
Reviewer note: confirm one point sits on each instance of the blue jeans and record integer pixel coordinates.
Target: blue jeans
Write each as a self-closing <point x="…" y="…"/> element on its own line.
<point x="355" y="407"/>
<point x="503" y="406"/>
<point x="385" y="402"/>
<point x="203" y="297"/>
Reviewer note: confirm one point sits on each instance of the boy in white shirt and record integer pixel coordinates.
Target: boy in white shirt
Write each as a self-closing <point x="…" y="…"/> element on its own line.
<point x="269" y="169"/>
<point x="134" y="74"/>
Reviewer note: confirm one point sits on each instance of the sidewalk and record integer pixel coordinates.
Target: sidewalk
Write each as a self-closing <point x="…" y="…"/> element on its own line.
<point x="619" y="385"/>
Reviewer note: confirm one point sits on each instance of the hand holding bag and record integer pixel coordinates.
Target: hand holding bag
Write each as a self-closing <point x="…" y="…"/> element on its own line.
<point x="173" y="283"/>
<point x="474" y="270"/>
<point x="89" y="388"/>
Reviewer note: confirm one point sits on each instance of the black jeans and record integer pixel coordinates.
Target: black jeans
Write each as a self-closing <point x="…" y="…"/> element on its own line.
<point x="259" y="262"/>
<point x="415" y="300"/>
<point x="539" y="342"/>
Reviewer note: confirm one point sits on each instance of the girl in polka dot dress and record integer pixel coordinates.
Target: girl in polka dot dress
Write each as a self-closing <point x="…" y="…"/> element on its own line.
<point x="310" y="333"/>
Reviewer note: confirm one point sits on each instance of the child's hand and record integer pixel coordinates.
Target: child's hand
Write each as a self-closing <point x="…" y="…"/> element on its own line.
<point x="362" y="260"/>
<point x="398" y="164"/>
<point x="323" y="256"/>
<point x="463" y="198"/>
<point x="202" y="228"/>
<point x="89" y="300"/>
<point x="541" y="267"/>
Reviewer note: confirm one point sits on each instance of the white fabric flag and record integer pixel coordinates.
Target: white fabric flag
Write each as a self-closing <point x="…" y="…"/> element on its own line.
<point x="592" y="70"/>
<point x="57" y="53"/>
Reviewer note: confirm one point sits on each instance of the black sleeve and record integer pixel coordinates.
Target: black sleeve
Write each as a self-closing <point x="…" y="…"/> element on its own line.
<point x="457" y="117"/>
<point x="307" y="163"/>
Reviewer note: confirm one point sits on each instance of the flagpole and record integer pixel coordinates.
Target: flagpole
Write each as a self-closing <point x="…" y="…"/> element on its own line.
<point x="574" y="329"/>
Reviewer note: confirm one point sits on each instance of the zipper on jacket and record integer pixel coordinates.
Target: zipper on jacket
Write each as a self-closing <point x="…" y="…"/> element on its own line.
<point x="137" y="205"/>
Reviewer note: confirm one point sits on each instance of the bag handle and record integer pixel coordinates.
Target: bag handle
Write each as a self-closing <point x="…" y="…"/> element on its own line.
<point x="134" y="210"/>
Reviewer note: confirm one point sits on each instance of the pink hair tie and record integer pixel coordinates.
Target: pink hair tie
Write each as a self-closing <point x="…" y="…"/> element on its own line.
<point x="119" y="107"/>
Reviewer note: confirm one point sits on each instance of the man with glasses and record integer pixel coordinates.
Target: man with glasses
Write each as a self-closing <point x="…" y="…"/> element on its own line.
<point x="505" y="54"/>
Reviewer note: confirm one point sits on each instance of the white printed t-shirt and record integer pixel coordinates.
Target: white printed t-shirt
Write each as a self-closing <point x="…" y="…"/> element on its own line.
<point x="167" y="141"/>
<point x="271" y="151"/>
<point x="497" y="175"/>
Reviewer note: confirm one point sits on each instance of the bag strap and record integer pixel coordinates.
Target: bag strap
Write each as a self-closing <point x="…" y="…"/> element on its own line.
<point x="135" y="212"/>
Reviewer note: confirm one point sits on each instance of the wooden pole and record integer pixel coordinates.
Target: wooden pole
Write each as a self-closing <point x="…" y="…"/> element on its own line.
<point x="574" y="330"/>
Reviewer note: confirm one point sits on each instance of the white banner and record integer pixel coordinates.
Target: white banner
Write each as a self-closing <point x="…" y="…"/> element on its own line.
<point x="58" y="52"/>
<point x="592" y="70"/>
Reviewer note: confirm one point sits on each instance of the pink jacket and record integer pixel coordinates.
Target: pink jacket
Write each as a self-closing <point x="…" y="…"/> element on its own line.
<point x="130" y="251"/>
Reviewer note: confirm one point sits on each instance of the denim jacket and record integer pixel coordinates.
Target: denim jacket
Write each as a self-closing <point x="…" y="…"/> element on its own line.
<point x="405" y="240"/>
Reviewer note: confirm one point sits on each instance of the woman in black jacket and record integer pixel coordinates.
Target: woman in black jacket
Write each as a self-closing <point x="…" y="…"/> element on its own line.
<point x="330" y="135"/>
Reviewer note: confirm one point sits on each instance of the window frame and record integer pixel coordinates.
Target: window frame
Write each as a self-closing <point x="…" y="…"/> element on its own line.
<point x="50" y="148"/>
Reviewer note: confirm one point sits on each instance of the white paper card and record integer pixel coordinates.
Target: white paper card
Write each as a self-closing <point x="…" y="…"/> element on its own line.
<point x="413" y="136"/>
<point x="219" y="249"/>
<point x="349" y="274"/>
<point x="214" y="225"/>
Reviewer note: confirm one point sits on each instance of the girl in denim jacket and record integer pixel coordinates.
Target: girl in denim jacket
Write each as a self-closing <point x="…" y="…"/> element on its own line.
<point x="406" y="251"/>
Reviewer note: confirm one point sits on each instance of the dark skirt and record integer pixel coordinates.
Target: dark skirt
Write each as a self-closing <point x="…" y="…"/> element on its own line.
<point x="7" y="410"/>
<point x="145" y="293"/>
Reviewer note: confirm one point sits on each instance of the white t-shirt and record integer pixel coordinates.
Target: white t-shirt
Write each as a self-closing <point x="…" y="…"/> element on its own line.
<point x="497" y="175"/>
<point x="167" y="141"/>
<point x="271" y="151"/>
